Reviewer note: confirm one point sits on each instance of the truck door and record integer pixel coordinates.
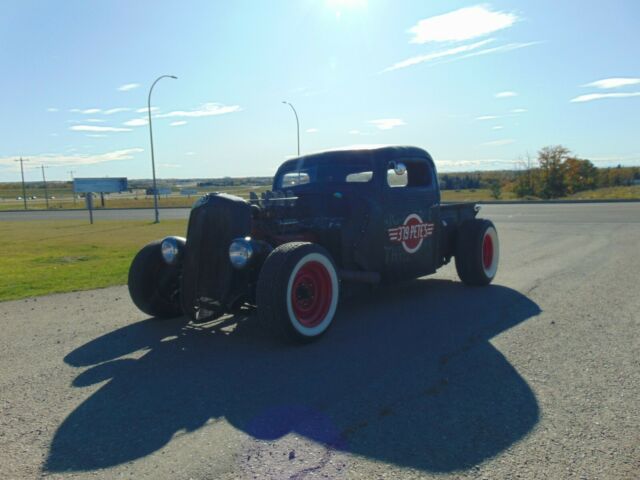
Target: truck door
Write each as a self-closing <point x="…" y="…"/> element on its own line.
<point x="411" y="218"/>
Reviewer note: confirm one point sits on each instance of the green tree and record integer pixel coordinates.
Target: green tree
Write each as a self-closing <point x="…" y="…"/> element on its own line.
<point x="496" y="189"/>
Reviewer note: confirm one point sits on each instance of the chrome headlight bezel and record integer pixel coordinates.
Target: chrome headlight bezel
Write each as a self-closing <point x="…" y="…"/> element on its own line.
<point x="171" y="250"/>
<point x="240" y="252"/>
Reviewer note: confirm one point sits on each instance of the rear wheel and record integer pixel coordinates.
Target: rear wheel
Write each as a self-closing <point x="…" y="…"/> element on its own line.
<point x="154" y="285"/>
<point x="477" y="252"/>
<point x="298" y="291"/>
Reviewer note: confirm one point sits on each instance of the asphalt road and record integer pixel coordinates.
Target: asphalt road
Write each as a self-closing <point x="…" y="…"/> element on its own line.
<point x="536" y="376"/>
<point x="552" y="213"/>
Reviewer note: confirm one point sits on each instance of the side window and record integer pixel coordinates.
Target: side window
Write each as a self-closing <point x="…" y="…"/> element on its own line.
<point x="359" y="177"/>
<point x="418" y="174"/>
<point x="294" y="178"/>
<point x="395" y="180"/>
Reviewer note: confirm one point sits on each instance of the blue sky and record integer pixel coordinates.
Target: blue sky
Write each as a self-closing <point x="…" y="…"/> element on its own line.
<point x="477" y="84"/>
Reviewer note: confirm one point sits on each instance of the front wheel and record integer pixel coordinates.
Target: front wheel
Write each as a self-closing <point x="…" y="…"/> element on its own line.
<point x="153" y="285"/>
<point x="477" y="252"/>
<point x="298" y="290"/>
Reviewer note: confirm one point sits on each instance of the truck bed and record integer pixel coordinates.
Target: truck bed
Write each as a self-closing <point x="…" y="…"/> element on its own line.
<point x="456" y="213"/>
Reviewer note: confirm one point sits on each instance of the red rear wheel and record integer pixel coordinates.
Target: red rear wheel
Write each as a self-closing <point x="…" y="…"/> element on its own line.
<point x="487" y="251"/>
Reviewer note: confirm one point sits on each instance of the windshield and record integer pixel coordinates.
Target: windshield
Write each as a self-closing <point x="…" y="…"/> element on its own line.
<point x="312" y="172"/>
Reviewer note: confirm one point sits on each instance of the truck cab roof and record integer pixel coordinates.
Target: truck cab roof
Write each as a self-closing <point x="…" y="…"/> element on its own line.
<point x="356" y="166"/>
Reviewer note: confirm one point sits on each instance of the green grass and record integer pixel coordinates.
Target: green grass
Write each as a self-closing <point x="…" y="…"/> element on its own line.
<point x="473" y="195"/>
<point x="630" y="192"/>
<point x="42" y="257"/>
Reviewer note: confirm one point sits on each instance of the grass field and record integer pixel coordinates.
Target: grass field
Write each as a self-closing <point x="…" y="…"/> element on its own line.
<point x="39" y="258"/>
<point x="609" y="193"/>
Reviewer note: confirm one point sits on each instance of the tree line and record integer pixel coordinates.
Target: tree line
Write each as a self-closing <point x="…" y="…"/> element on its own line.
<point x="555" y="173"/>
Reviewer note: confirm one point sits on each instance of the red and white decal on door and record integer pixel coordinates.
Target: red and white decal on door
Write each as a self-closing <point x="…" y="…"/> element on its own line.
<point x="411" y="233"/>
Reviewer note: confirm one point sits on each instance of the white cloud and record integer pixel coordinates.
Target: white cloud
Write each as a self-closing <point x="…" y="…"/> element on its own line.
<point x="96" y="128"/>
<point x="499" y="143"/>
<point x="59" y="160"/>
<point x="615" y="82"/>
<point x="597" y="96"/>
<point x="189" y="153"/>
<point x="170" y="165"/>
<point x="497" y="127"/>
<point x="136" y="122"/>
<point x="145" y="109"/>
<point x="354" y="132"/>
<point x="463" y="24"/>
<point x="94" y="120"/>
<point x="111" y="111"/>
<point x="487" y="117"/>
<point x="96" y="135"/>
<point x="89" y="111"/>
<point x="178" y="123"/>
<point x="519" y="110"/>
<point x="436" y="55"/>
<point x="387" y="123"/>
<point x="206" y="110"/>
<point x="499" y="49"/>
<point x="506" y="94"/>
<point x="52" y="109"/>
<point x="311" y="130"/>
<point x="128" y="86"/>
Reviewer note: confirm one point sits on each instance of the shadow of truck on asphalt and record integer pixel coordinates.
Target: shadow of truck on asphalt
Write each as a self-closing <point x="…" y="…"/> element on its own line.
<point x="406" y="376"/>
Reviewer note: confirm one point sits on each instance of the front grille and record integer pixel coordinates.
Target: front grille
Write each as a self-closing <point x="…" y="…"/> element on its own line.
<point x="209" y="282"/>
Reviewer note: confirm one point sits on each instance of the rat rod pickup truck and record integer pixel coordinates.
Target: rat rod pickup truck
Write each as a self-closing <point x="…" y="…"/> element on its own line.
<point x="332" y="221"/>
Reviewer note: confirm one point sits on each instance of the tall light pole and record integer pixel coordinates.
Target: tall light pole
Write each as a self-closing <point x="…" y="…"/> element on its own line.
<point x="24" y="190"/>
<point x="153" y="161"/>
<point x="297" y="123"/>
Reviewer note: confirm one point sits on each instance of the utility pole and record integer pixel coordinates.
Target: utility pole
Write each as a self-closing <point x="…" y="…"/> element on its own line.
<point x="24" y="190"/>
<point x="71" y="172"/>
<point x="46" y="192"/>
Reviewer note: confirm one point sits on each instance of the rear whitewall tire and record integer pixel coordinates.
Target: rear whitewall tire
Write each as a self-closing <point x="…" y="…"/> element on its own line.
<point x="491" y="270"/>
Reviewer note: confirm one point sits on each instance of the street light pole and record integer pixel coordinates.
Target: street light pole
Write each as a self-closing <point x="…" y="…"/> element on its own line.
<point x="297" y="123"/>
<point x="153" y="161"/>
<point x="24" y="190"/>
<point x="46" y="193"/>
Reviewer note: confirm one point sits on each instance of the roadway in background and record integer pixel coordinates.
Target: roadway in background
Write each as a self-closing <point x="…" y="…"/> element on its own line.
<point x="543" y="212"/>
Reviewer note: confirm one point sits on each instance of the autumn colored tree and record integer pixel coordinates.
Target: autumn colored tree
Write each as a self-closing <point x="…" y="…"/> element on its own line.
<point x="579" y="175"/>
<point x="551" y="159"/>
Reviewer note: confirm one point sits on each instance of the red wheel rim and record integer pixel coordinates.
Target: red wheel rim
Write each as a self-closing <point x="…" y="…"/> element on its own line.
<point x="311" y="294"/>
<point x="487" y="251"/>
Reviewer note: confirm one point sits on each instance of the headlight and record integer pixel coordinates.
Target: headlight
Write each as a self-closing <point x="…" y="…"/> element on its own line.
<point x="170" y="250"/>
<point x="240" y="252"/>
